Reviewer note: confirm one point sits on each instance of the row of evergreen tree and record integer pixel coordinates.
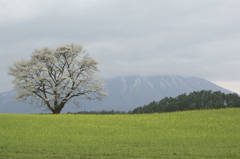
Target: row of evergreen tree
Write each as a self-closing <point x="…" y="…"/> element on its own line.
<point x="194" y="101"/>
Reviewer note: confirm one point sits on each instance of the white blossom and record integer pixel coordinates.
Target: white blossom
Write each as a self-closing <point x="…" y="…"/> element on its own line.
<point x="55" y="77"/>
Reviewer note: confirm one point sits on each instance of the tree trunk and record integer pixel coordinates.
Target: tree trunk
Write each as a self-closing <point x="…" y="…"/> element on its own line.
<point x="56" y="112"/>
<point x="58" y="109"/>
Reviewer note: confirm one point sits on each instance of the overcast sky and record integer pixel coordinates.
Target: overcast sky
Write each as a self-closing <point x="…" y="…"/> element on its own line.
<point x="129" y="37"/>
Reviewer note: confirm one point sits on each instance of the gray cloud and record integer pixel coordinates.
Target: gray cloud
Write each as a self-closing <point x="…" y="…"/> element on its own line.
<point x="189" y="38"/>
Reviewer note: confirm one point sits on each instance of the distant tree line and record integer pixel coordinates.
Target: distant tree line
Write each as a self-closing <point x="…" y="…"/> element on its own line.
<point x="100" y="112"/>
<point x="194" y="101"/>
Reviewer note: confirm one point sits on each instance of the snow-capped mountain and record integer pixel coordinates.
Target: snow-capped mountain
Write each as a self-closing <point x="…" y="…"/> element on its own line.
<point x="124" y="93"/>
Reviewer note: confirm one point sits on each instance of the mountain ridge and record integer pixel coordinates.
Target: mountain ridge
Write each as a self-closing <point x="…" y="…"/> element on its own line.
<point x="124" y="93"/>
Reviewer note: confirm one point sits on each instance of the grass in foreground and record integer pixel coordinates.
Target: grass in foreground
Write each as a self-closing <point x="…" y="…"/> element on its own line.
<point x="180" y="135"/>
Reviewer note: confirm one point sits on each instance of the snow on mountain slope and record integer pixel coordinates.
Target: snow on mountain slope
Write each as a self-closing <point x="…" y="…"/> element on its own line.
<point x="124" y="93"/>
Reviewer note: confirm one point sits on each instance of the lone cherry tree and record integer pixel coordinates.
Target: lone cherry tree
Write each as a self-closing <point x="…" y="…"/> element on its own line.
<point x="51" y="78"/>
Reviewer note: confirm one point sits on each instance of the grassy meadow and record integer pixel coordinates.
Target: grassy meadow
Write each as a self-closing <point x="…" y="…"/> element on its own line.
<point x="179" y="135"/>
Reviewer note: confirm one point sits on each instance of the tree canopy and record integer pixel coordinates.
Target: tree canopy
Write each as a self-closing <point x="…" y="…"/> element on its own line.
<point x="51" y="78"/>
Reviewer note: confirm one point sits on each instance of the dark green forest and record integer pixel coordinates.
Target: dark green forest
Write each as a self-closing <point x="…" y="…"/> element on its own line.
<point x="194" y="101"/>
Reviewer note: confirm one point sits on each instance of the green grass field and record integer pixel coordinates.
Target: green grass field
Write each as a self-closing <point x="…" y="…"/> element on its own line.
<point x="179" y="135"/>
